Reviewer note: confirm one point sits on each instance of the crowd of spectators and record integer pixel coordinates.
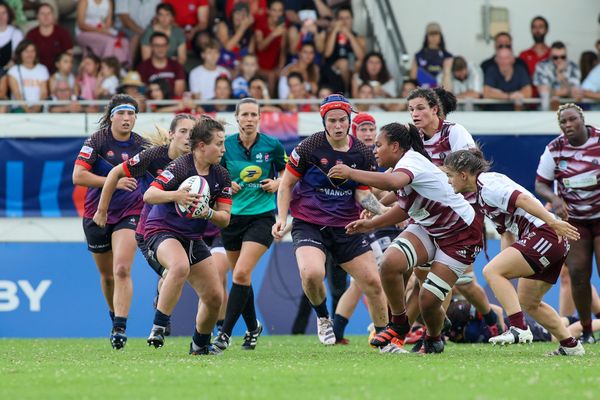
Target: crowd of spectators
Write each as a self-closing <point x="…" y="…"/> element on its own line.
<point x="194" y="50"/>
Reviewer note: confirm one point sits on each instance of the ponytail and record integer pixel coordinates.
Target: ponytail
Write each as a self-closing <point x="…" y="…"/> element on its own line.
<point x="407" y="136"/>
<point x="447" y="100"/>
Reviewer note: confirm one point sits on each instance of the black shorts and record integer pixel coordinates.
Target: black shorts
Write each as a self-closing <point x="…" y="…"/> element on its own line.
<point x="196" y="250"/>
<point x="248" y="228"/>
<point x="154" y="264"/>
<point x="343" y="247"/>
<point x="213" y="241"/>
<point x="99" y="239"/>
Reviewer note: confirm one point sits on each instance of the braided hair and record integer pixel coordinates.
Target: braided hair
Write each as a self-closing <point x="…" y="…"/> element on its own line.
<point x="407" y="136"/>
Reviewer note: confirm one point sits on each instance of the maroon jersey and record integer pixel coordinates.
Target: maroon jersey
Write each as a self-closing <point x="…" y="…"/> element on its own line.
<point x="163" y="217"/>
<point x="99" y="154"/>
<point x="576" y="172"/>
<point x="449" y="137"/>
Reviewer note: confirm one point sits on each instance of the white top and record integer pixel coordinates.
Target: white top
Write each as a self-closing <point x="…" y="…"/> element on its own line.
<point x="30" y="81"/>
<point x="140" y="11"/>
<point x="110" y="84"/>
<point x="11" y="34"/>
<point x="95" y="14"/>
<point x="202" y="81"/>
<point x="429" y="199"/>
<point x="497" y="195"/>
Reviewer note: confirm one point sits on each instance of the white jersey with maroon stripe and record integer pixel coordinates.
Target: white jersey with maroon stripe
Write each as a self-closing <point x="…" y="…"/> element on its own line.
<point x="429" y="199"/>
<point x="450" y="137"/>
<point x="496" y="198"/>
<point x="576" y="170"/>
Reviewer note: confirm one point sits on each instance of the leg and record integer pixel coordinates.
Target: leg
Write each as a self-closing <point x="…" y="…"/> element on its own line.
<point x="222" y="263"/>
<point x="566" y="305"/>
<point x="364" y="272"/>
<point x="345" y="308"/>
<point x="124" y="247"/>
<point x="104" y="263"/>
<point x="579" y="262"/>
<point x="173" y="257"/>
<point x="311" y="264"/>
<point x="435" y="290"/>
<point x="531" y="293"/>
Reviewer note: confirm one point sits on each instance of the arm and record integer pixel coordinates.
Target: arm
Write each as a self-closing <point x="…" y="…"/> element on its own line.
<point x="379" y="180"/>
<point x="84" y="177"/>
<point x="111" y="183"/>
<point x="562" y="228"/>
<point x="413" y="69"/>
<point x="271" y="185"/>
<point x="284" y="196"/>
<point x="490" y="92"/>
<point x="547" y="193"/>
<point x="155" y="195"/>
<point x="357" y="43"/>
<point x="506" y="239"/>
<point x="179" y="88"/>
<point x="130" y="24"/>
<point x="330" y="41"/>
<point x="220" y="215"/>
<point x="369" y="202"/>
<point x="393" y="216"/>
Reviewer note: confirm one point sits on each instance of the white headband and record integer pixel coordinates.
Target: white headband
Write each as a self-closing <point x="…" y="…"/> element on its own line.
<point x="122" y="107"/>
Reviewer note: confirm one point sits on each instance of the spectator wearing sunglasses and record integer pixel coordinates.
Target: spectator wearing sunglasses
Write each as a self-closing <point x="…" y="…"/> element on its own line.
<point x="558" y="76"/>
<point x="502" y="40"/>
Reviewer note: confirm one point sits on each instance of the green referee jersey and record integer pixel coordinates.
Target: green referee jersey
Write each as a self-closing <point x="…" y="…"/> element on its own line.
<point x="248" y="168"/>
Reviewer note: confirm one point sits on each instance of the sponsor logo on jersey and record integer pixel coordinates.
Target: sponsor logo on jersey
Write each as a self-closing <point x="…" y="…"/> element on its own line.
<point x="562" y="165"/>
<point x="324" y="161"/>
<point x="544" y="261"/>
<point x="227" y="191"/>
<point x="86" y="152"/>
<point x="266" y="157"/>
<point x="134" y="160"/>
<point x="251" y="173"/>
<point x="259" y="157"/>
<point x="165" y="177"/>
<point x="110" y="154"/>
<point x="294" y="158"/>
<point x="125" y="156"/>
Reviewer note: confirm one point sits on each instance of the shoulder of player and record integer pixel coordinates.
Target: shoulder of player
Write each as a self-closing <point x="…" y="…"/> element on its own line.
<point x="268" y="140"/>
<point x="221" y="171"/>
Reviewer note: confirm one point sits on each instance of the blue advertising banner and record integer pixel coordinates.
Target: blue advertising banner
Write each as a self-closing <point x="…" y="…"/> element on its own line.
<point x="53" y="290"/>
<point x="37" y="172"/>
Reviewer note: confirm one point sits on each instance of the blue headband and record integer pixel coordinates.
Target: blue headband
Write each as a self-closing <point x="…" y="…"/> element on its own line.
<point x="122" y="107"/>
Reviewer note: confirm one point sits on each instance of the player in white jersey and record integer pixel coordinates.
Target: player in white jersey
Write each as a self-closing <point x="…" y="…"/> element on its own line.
<point x="443" y="230"/>
<point x="572" y="161"/>
<point x="428" y="109"/>
<point x="537" y="255"/>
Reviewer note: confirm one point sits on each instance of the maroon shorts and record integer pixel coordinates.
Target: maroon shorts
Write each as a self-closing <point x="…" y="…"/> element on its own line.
<point x="587" y="229"/>
<point x="544" y="253"/>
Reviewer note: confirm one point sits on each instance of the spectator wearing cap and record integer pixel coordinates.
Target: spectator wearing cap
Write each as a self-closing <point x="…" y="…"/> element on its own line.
<point x="502" y="40"/>
<point x="432" y="59"/>
<point x="133" y="86"/>
<point x="160" y="66"/>
<point x="49" y="38"/>
<point x="236" y="36"/>
<point x="558" y="76"/>
<point x="465" y="79"/>
<point x="203" y="77"/>
<point x="164" y="21"/>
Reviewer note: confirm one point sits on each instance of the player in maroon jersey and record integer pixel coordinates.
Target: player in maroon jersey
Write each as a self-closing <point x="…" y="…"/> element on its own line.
<point x="537" y="255"/>
<point x="572" y="162"/>
<point x="112" y="246"/>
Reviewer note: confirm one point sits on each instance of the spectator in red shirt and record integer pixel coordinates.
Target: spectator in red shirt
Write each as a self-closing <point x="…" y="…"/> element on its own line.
<point x="540" y="51"/>
<point x="271" y="33"/>
<point x="49" y="38"/>
<point x="161" y="66"/>
<point x="191" y="15"/>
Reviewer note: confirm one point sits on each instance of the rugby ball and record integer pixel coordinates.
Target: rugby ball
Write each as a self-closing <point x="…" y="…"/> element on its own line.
<point x="198" y="185"/>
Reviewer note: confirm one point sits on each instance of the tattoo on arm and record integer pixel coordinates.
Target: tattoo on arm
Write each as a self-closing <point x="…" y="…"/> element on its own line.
<point x="370" y="203"/>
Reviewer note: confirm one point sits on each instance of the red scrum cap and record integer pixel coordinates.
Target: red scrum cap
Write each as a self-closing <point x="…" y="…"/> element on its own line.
<point x="361" y="118"/>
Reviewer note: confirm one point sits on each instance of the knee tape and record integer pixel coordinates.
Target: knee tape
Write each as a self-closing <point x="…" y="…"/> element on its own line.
<point x="466" y="278"/>
<point x="406" y="247"/>
<point x="437" y="286"/>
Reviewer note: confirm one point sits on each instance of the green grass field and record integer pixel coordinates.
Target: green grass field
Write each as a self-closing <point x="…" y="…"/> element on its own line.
<point x="290" y="367"/>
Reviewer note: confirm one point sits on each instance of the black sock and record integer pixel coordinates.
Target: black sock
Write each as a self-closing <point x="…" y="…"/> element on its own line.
<point x="339" y="326"/>
<point x="200" y="340"/>
<point x="219" y="325"/>
<point x="161" y="319"/>
<point x="490" y="318"/>
<point x="572" y="319"/>
<point x="112" y="315"/>
<point x="236" y="303"/>
<point x="249" y="312"/>
<point x="120" y="322"/>
<point x="321" y="309"/>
